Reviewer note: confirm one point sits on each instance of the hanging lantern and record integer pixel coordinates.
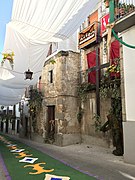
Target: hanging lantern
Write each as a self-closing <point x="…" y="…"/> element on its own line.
<point x="28" y="74"/>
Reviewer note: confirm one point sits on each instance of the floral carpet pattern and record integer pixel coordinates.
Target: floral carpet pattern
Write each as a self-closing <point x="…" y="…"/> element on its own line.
<point x="24" y="162"/>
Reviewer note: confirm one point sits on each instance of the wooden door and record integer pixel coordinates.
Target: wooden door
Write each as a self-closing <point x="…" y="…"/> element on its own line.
<point x="51" y="122"/>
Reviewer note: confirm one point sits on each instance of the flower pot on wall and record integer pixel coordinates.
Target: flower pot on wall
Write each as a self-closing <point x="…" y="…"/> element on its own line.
<point x="116" y="11"/>
<point x="106" y="3"/>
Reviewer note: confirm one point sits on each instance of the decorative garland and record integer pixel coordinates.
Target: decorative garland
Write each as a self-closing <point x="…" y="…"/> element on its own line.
<point x="122" y="42"/>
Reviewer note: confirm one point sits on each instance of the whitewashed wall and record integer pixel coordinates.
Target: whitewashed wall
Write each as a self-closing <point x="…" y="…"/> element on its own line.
<point x="129" y="73"/>
<point x="129" y="80"/>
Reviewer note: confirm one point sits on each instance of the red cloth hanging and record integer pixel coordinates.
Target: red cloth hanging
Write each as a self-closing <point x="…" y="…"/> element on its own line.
<point x="91" y="60"/>
<point x="114" y="53"/>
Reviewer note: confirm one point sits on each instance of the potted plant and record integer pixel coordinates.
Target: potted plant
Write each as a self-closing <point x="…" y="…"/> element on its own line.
<point x="106" y="3"/>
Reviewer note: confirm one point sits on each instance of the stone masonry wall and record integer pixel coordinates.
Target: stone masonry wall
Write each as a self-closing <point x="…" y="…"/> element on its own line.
<point x="62" y="93"/>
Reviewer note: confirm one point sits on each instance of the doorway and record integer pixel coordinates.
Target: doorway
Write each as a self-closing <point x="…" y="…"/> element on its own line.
<point x="18" y="124"/>
<point x="51" y="122"/>
<point x="7" y="126"/>
<point x="2" y="124"/>
<point x="26" y="127"/>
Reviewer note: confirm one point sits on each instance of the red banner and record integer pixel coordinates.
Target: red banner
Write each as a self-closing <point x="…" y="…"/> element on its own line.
<point x="104" y="22"/>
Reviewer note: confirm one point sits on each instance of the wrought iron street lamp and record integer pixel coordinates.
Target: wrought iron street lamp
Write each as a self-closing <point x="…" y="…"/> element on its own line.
<point x="28" y="74"/>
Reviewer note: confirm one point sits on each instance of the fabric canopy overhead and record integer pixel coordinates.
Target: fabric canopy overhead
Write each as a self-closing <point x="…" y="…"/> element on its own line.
<point x="34" y="24"/>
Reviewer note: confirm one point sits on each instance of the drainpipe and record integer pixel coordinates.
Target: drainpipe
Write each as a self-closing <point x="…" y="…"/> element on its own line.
<point x="80" y="75"/>
<point x="80" y="81"/>
<point x="97" y="83"/>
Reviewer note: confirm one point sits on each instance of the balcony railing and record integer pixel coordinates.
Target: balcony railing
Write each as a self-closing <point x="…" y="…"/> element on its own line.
<point x="124" y="15"/>
<point x="123" y="8"/>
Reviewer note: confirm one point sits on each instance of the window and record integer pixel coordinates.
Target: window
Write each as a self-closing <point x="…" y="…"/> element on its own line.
<point x="50" y="50"/>
<point x="13" y="124"/>
<point x="51" y="76"/>
<point x="10" y="112"/>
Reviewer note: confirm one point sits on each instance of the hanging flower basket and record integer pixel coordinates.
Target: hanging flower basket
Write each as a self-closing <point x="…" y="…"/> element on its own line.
<point x="9" y="56"/>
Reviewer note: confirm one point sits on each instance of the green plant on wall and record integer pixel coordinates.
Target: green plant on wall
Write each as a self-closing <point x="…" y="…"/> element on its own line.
<point x="35" y="105"/>
<point x="84" y="89"/>
<point x="110" y="88"/>
<point x="97" y="122"/>
<point x="110" y="81"/>
<point x="114" y="124"/>
<point x="52" y="61"/>
<point x="80" y="114"/>
<point x="35" y="102"/>
<point x="35" y="98"/>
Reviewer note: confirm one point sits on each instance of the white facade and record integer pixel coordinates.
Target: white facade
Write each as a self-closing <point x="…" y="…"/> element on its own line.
<point x="129" y="80"/>
<point x="17" y="120"/>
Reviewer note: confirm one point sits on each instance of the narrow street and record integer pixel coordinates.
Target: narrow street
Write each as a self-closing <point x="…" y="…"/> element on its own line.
<point x="67" y="72"/>
<point x="94" y="161"/>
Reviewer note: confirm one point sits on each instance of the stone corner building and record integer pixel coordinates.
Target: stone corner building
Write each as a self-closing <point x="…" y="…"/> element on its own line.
<point x="58" y="121"/>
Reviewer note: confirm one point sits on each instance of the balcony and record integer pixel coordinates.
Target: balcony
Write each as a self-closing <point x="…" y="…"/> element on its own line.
<point x="124" y="15"/>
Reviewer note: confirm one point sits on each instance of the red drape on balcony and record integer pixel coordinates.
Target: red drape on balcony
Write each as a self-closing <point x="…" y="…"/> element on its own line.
<point x="91" y="60"/>
<point x="114" y="53"/>
<point x="114" y="50"/>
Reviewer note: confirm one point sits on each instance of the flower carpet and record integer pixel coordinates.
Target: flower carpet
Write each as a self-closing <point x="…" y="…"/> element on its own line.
<point x="24" y="162"/>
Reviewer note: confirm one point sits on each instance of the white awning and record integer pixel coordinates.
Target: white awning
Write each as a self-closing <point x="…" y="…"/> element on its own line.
<point x="34" y="24"/>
